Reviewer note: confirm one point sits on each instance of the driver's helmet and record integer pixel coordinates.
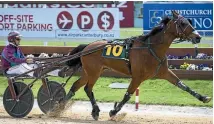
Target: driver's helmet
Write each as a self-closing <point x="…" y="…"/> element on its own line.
<point x="12" y="35"/>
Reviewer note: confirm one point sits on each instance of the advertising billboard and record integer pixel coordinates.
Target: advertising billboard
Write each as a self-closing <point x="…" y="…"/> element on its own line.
<point x="126" y="9"/>
<point x="61" y="23"/>
<point x="201" y="13"/>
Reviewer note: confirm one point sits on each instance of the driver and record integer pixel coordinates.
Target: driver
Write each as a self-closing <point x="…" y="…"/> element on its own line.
<point x="13" y="60"/>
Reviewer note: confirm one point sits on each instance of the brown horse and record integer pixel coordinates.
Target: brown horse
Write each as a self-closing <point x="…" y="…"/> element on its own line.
<point x="147" y="58"/>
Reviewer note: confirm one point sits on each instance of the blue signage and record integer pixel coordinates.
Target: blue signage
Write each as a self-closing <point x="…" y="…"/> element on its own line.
<point x="201" y="13"/>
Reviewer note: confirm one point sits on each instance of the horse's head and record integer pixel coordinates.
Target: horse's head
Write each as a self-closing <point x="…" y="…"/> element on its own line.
<point x="184" y="29"/>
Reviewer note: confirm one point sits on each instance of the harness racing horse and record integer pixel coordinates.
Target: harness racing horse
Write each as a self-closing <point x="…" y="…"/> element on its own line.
<point x="147" y="59"/>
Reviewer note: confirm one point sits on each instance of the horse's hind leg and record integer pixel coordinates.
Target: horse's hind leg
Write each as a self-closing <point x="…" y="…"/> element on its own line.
<point x="92" y="78"/>
<point x="76" y="85"/>
<point x="172" y="78"/>
<point x="131" y="89"/>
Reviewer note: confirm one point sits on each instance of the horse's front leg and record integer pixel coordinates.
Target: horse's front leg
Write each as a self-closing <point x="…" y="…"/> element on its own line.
<point x="172" y="78"/>
<point x="132" y="87"/>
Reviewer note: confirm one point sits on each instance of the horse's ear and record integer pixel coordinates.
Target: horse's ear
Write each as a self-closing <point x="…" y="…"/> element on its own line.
<point x="174" y="14"/>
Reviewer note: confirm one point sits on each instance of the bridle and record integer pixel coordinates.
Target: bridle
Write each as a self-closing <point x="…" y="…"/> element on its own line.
<point x="181" y="31"/>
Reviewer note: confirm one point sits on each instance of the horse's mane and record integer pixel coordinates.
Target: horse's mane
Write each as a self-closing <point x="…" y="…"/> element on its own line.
<point x="156" y="29"/>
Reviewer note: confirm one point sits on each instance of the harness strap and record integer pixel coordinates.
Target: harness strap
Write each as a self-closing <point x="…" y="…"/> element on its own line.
<point x="153" y="54"/>
<point x="159" y="65"/>
<point x="158" y="59"/>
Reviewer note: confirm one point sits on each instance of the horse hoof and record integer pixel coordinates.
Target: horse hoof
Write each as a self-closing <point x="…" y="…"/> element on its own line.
<point x="112" y="113"/>
<point x="95" y="112"/>
<point x="206" y="99"/>
<point x="95" y="115"/>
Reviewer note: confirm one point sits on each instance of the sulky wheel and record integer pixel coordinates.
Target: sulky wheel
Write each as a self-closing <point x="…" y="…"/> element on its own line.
<point x="47" y="101"/>
<point x="18" y="107"/>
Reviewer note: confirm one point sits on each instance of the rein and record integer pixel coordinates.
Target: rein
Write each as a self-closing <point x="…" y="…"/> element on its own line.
<point x="65" y="59"/>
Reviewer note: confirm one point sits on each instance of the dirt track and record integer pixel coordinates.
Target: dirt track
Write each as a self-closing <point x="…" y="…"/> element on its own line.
<point x="79" y="113"/>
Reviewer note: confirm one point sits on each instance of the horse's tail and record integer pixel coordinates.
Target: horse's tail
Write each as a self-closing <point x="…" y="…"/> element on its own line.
<point x="76" y="61"/>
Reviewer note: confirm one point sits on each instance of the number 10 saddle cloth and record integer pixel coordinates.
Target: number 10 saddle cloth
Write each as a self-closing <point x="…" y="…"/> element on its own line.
<point x="118" y="49"/>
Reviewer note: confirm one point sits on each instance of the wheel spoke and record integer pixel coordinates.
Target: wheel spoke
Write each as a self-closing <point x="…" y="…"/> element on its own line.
<point x="45" y="101"/>
<point x="51" y="106"/>
<point x="24" y="102"/>
<point x="44" y="94"/>
<point x="13" y="106"/>
<point x="18" y="108"/>
<point x="20" y="89"/>
<point x="50" y="89"/>
<point x="25" y="94"/>
<point x="56" y="95"/>
<point x="9" y="100"/>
